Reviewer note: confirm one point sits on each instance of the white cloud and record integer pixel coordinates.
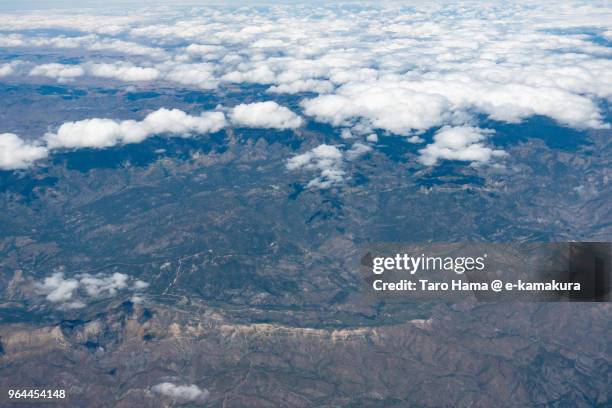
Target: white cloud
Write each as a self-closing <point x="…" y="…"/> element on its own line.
<point x="309" y="85"/>
<point x="120" y="71"/>
<point x="264" y="115"/>
<point x="12" y="40"/>
<point x="373" y="137"/>
<point x="95" y="43"/>
<point x="388" y="106"/>
<point x="415" y="139"/>
<point x="200" y="74"/>
<point x="463" y="143"/>
<point x="138" y="284"/>
<point x="57" y="288"/>
<point x="100" y="285"/>
<point x="5" y="69"/>
<point x="346" y="134"/>
<point x="9" y="68"/>
<point x="74" y="292"/>
<point x="328" y="161"/>
<point x="95" y="23"/>
<point x="124" y="72"/>
<point x="182" y="393"/>
<point x="258" y="75"/>
<point x="137" y="299"/>
<point x="424" y="68"/>
<point x="90" y="42"/>
<point x="61" y="72"/>
<point x="94" y="132"/>
<point x="357" y="150"/>
<point x="15" y="153"/>
<point x="101" y="133"/>
<point x="325" y="159"/>
<point x="381" y="67"/>
<point x="203" y="50"/>
<point x="511" y="102"/>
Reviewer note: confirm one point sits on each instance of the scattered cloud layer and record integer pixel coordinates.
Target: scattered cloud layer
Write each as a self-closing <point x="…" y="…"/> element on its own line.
<point x="103" y="132"/>
<point x="396" y="68"/>
<point x="74" y="292"/>
<point x="182" y="393"/>
<point x="376" y="67"/>
<point x="72" y="21"/>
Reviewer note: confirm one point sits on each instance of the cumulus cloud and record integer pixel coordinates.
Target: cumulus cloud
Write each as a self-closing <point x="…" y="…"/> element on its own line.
<point x="15" y="153"/>
<point x="75" y="291"/>
<point x="61" y="72"/>
<point x="328" y="161"/>
<point x="101" y="133"/>
<point x="57" y="288"/>
<point x="203" y="50"/>
<point x="12" y="40"/>
<point x="90" y="42"/>
<point x="258" y="75"/>
<point x="387" y="106"/>
<point x="357" y="150"/>
<point x="415" y="139"/>
<point x="9" y="68"/>
<point x="96" y="43"/>
<point x="110" y="24"/>
<point x="373" y="137"/>
<point x="309" y="85"/>
<point x="325" y="159"/>
<point x="463" y="143"/>
<point x="99" y="285"/>
<point x="6" y="69"/>
<point x="182" y="393"/>
<point x="200" y="75"/>
<point x="346" y="134"/>
<point x="120" y="71"/>
<point x="124" y="72"/>
<point x="264" y="115"/>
